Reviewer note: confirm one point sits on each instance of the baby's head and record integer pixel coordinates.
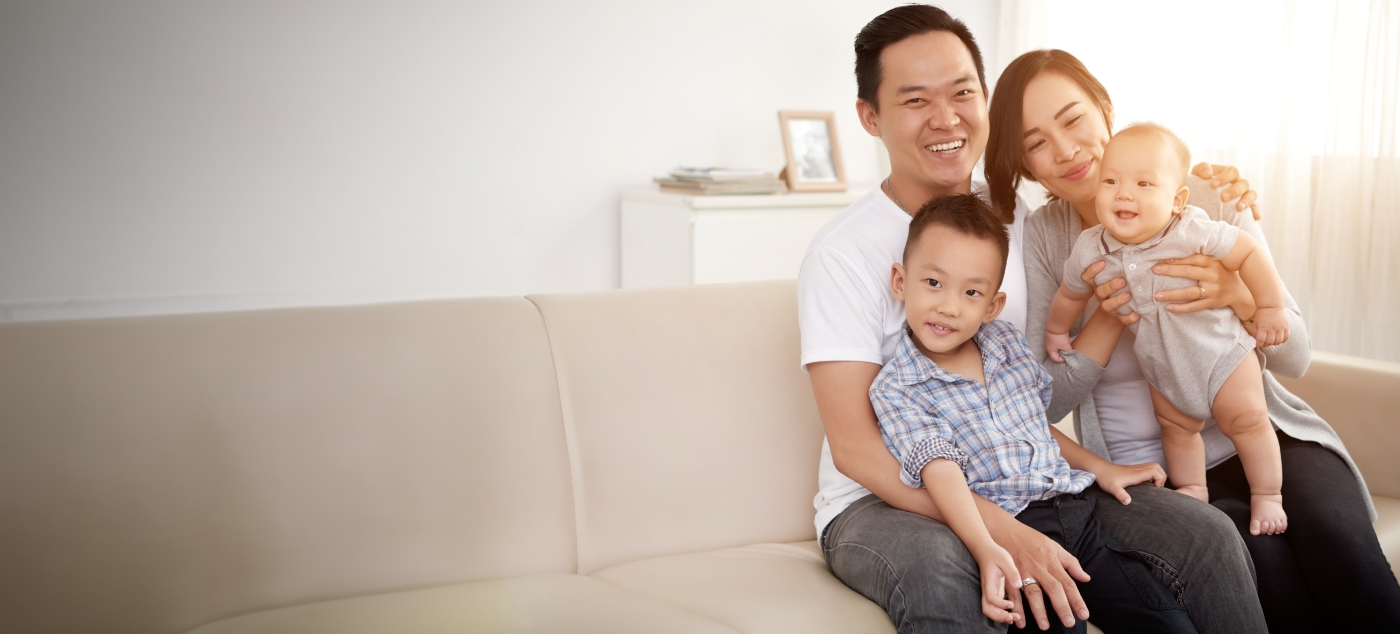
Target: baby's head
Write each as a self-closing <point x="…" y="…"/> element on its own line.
<point x="954" y="261"/>
<point x="1143" y="182"/>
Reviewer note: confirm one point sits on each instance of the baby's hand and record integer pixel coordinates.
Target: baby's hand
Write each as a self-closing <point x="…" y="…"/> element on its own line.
<point x="1270" y="326"/>
<point x="999" y="581"/>
<point x="1114" y="478"/>
<point x="1054" y="343"/>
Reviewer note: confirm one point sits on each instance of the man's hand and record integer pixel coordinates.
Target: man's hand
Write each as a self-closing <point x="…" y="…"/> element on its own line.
<point x="1054" y="343"/>
<point x="1115" y="478"/>
<point x="1000" y="581"/>
<point x="1270" y="326"/>
<point x="1054" y="569"/>
<point x="1220" y="175"/>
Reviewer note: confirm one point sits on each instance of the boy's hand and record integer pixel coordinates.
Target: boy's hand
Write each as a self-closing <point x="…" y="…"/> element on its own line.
<point x="1115" y="478"/>
<point x="1054" y="343"/>
<point x="1270" y="326"/>
<point x="1000" y="581"/>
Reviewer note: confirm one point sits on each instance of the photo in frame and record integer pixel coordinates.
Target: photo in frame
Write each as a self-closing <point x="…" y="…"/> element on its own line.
<point x="813" y="151"/>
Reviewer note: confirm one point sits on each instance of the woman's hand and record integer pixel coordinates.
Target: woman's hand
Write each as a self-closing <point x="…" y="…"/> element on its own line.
<point x="1108" y="302"/>
<point x="1238" y="187"/>
<point x="1115" y="478"/>
<point x="1054" y="570"/>
<point x="1222" y="286"/>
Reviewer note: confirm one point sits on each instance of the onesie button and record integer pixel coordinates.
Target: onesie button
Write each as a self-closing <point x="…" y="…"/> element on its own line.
<point x="1139" y="289"/>
<point x="1132" y="267"/>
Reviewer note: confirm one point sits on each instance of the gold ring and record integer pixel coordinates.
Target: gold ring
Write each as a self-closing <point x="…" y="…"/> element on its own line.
<point x="1203" y="291"/>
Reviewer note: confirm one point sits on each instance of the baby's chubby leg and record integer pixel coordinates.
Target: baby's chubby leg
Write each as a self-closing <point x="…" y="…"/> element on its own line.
<point x="1182" y="447"/>
<point x="1243" y="416"/>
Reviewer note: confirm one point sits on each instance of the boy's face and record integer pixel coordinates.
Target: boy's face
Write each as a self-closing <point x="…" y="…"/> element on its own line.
<point x="1140" y="187"/>
<point x="949" y="289"/>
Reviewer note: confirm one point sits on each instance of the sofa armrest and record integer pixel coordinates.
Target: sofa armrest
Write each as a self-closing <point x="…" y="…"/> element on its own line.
<point x="1360" y="398"/>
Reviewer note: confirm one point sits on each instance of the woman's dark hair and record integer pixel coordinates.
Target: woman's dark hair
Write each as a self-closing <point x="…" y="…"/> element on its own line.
<point x="967" y="214"/>
<point x="896" y="25"/>
<point x="1004" y="165"/>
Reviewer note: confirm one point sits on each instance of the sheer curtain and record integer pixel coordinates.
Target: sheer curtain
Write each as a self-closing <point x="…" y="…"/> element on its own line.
<point x="1302" y="96"/>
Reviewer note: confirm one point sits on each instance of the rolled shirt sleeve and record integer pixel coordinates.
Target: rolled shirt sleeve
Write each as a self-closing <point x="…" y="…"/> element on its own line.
<point x="916" y="438"/>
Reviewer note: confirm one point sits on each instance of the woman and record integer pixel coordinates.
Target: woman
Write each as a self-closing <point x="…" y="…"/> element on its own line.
<point x="1050" y="120"/>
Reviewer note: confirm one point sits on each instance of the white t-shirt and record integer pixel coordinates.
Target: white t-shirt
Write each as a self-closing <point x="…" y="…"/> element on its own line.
<point x="847" y="312"/>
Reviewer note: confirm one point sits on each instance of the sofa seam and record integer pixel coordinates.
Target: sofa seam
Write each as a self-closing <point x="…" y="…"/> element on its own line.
<point x="570" y="439"/>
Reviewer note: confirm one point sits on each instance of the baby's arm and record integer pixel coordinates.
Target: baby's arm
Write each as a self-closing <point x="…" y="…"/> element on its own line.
<point x="1064" y="309"/>
<point x="945" y="482"/>
<point x="1259" y="275"/>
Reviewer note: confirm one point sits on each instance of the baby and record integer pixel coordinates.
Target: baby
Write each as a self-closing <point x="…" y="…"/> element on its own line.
<point x="1201" y="364"/>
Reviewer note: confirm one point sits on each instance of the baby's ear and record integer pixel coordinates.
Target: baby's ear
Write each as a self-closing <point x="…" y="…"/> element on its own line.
<point x="1183" y="193"/>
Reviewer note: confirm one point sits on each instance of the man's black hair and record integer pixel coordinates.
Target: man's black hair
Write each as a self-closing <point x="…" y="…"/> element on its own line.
<point x="896" y="25"/>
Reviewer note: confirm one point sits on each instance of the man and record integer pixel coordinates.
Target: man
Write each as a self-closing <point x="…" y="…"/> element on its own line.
<point x="921" y="89"/>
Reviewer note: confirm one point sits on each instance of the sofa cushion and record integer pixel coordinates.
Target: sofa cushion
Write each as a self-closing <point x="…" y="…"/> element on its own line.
<point x="159" y="473"/>
<point x="759" y="589"/>
<point x="544" y="604"/>
<point x="690" y="424"/>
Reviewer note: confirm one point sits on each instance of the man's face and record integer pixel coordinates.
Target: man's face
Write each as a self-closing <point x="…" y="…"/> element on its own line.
<point x="949" y="289"/>
<point x="933" y="112"/>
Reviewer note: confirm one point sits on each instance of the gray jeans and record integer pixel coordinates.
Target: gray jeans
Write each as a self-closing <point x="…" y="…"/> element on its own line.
<point x="923" y="576"/>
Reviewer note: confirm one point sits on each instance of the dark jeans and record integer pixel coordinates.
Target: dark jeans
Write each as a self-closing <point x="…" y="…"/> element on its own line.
<point x="1327" y="571"/>
<point x="923" y="576"/>
<point x="1124" y="593"/>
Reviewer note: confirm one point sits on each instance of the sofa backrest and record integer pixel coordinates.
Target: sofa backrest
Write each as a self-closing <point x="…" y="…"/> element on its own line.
<point x="159" y="473"/>
<point x="1360" y="399"/>
<point x="690" y="424"/>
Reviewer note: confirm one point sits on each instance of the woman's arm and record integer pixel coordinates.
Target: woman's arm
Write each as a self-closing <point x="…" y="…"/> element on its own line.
<point x="1224" y="288"/>
<point x="1047" y="246"/>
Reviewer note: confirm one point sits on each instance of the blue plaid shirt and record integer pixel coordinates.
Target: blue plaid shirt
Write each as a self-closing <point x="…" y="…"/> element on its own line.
<point x="997" y="434"/>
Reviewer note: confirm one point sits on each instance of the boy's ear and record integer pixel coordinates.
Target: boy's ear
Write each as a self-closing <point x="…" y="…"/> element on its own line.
<point x="994" y="308"/>
<point x="897" y="281"/>
<point x="1179" y="202"/>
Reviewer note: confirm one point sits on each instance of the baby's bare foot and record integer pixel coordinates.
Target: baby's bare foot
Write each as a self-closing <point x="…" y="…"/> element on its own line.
<point x="1266" y="516"/>
<point x="1197" y="491"/>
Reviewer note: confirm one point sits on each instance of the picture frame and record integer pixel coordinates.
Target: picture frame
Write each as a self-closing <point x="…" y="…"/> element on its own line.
<point x="813" y="151"/>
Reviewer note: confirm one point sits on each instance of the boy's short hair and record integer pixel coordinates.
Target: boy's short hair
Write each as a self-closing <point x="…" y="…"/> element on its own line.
<point x="1173" y="141"/>
<point x="967" y="214"/>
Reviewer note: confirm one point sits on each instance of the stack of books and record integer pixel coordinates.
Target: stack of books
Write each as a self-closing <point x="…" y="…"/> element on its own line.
<point x="717" y="180"/>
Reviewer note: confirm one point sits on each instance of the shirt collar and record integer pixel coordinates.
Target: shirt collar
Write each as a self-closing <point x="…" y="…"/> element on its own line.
<point x="911" y="367"/>
<point x="1109" y="244"/>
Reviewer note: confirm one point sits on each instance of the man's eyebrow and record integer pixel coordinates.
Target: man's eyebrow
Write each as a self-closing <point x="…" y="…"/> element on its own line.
<point x="1057" y="116"/>
<point x="919" y="87"/>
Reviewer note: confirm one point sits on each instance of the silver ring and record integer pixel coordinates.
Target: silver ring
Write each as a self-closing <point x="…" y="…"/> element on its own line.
<point x="1029" y="581"/>
<point x="1203" y="291"/>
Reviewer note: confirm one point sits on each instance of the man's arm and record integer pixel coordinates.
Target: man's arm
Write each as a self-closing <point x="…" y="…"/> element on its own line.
<point x="842" y="389"/>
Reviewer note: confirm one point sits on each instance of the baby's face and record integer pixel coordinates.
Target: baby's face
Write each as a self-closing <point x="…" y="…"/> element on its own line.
<point x="1140" y="186"/>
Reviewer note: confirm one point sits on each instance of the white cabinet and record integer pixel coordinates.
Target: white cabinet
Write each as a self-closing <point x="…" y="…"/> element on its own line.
<point x="674" y="239"/>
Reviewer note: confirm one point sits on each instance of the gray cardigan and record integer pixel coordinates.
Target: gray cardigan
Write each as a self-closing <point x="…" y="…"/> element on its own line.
<point x="1049" y="237"/>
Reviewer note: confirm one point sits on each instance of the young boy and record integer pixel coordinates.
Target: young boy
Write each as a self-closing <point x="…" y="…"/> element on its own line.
<point x="1199" y="364"/>
<point x="962" y="406"/>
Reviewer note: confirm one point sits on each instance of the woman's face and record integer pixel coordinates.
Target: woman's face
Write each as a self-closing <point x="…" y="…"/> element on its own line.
<point x="1064" y="136"/>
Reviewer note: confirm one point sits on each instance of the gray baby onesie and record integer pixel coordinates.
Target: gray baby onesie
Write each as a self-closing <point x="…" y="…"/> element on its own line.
<point x="1186" y="356"/>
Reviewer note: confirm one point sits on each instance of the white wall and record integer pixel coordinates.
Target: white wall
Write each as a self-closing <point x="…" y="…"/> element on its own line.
<point x="172" y="156"/>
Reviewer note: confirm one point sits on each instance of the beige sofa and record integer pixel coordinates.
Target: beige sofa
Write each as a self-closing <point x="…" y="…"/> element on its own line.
<point x="627" y="461"/>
